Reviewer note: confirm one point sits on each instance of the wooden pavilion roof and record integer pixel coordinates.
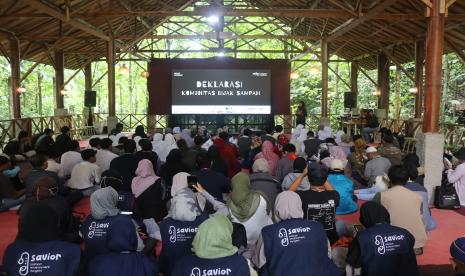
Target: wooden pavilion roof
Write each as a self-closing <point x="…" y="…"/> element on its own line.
<point x="355" y="29"/>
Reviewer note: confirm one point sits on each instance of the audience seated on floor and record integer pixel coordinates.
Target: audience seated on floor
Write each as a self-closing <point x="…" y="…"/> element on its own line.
<point x="85" y="176"/>
<point x="457" y="252"/>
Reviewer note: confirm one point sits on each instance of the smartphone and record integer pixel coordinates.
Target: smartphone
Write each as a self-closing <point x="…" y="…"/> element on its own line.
<point x="191" y="181"/>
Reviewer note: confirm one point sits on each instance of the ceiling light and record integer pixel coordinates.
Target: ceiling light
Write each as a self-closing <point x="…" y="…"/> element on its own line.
<point x="294" y="75"/>
<point x="21" y="89"/>
<point x="413" y="90"/>
<point x="63" y="92"/>
<point x="213" y="19"/>
<point x="124" y="69"/>
<point x="144" y="74"/>
<point x="314" y="70"/>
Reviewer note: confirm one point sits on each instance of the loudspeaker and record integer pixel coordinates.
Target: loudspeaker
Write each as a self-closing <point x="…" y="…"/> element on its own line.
<point x="90" y="98"/>
<point x="350" y="100"/>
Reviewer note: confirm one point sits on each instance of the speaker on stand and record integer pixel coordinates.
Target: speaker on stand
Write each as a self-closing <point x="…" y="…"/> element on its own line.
<point x="90" y="100"/>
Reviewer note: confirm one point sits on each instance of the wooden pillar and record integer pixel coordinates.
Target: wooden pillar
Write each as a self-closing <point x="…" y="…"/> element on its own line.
<point x="354" y="79"/>
<point x="88" y="77"/>
<point x="383" y="82"/>
<point x="433" y="67"/>
<point x="419" y="59"/>
<point x="59" y="78"/>
<point x="324" y="58"/>
<point x="15" y="76"/>
<point x="111" y="77"/>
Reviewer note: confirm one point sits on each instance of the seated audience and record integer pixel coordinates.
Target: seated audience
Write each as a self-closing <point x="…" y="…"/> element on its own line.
<point x="457" y="252"/>
<point x="346" y="144"/>
<point x="218" y="164"/>
<point x="261" y="180"/>
<point x="148" y="193"/>
<point x="391" y="152"/>
<point x="381" y="248"/>
<point x="228" y="153"/>
<point x="281" y="142"/>
<point x="20" y="145"/>
<point x="39" y="166"/>
<point x="376" y="166"/>
<point x="319" y="203"/>
<point x="177" y="230"/>
<point x="186" y="136"/>
<point x="123" y="258"/>
<point x="111" y="178"/>
<point x="286" y="163"/>
<point x="324" y="132"/>
<point x="311" y="144"/>
<point x="39" y="249"/>
<point x="139" y="134"/>
<point x="188" y="155"/>
<point x="71" y="158"/>
<point x="116" y="134"/>
<point x="126" y="164"/>
<point x="244" y="143"/>
<point x="104" y="218"/>
<point x="404" y="206"/>
<point x="278" y="130"/>
<point x="344" y="186"/>
<point x="85" y="176"/>
<point x="157" y="142"/>
<point x="371" y="125"/>
<point x="168" y="144"/>
<point x="172" y="166"/>
<point x="430" y="222"/>
<point x="268" y="136"/>
<point x="283" y="251"/>
<point x="44" y="142"/>
<point x="198" y="142"/>
<point x="357" y="162"/>
<point x="381" y="184"/>
<point x="53" y="164"/>
<point x="94" y="143"/>
<point x="250" y="208"/>
<point x="213" y="251"/>
<point x="118" y="149"/>
<point x="105" y="155"/>
<point x="215" y="183"/>
<point x="413" y="160"/>
<point x="299" y="166"/>
<point x="268" y="154"/>
<point x="9" y="196"/>
<point x="146" y="152"/>
<point x="457" y="175"/>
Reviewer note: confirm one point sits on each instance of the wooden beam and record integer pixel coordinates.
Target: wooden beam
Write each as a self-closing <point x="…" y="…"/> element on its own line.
<point x="15" y="76"/>
<point x="419" y="62"/>
<point x="457" y="50"/>
<point x="354" y="78"/>
<point x="88" y="77"/>
<point x="383" y="82"/>
<point x="353" y="23"/>
<point x="111" y="78"/>
<point x="399" y="65"/>
<point x="31" y="69"/>
<point x="128" y="7"/>
<point x="339" y="77"/>
<point x="324" y="56"/>
<point x="59" y="78"/>
<point x="368" y="76"/>
<point x="76" y="23"/>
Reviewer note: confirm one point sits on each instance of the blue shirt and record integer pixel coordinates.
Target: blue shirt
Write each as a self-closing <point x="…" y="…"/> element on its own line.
<point x="345" y="187"/>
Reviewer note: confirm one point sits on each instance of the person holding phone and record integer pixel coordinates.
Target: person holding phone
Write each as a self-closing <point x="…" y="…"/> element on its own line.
<point x="457" y="175"/>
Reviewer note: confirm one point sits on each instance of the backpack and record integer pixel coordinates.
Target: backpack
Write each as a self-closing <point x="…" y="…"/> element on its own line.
<point x="445" y="196"/>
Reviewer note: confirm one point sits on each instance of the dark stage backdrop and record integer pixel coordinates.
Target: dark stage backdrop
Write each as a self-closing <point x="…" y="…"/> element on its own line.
<point x="159" y="81"/>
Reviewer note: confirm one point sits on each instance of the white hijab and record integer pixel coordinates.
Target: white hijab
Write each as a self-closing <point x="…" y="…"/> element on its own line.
<point x="166" y="146"/>
<point x="157" y="142"/>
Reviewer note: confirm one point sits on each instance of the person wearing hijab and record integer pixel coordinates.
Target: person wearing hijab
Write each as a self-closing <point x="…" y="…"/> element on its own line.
<point x="218" y="164"/>
<point x="148" y="192"/>
<point x="293" y="244"/>
<point x="177" y="230"/>
<point x="157" y="140"/>
<point x="168" y="144"/>
<point x="271" y="157"/>
<point x="188" y="155"/>
<point x="177" y="133"/>
<point x="214" y="252"/>
<point x="99" y="223"/>
<point x="112" y="178"/>
<point x="324" y="132"/>
<point x="250" y="208"/>
<point x="172" y="166"/>
<point x="381" y="249"/>
<point x="261" y="180"/>
<point x="299" y="165"/>
<point x="39" y="249"/>
<point x="123" y="258"/>
<point x="344" y="186"/>
<point x="186" y="136"/>
<point x="357" y="161"/>
<point x="138" y="135"/>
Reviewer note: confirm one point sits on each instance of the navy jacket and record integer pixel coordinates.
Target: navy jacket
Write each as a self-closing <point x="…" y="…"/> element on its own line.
<point x="234" y="265"/>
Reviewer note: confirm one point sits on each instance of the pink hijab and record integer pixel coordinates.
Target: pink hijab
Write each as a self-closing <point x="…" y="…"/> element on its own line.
<point x="145" y="177"/>
<point x="271" y="157"/>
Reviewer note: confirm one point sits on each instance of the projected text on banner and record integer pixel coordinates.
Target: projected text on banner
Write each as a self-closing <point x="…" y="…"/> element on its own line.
<point x="222" y="91"/>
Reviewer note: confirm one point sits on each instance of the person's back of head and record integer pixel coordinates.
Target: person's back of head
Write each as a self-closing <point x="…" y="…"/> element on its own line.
<point x="372" y="213"/>
<point x="40" y="224"/>
<point x="289" y="148"/>
<point x="119" y="127"/>
<point x="106" y="143"/>
<point x="198" y="140"/>
<point x="74" y="146"/>
<point x="457" y="252"/>
<point x="129" y="146"/>
<point x="53" y="154"/>
<point x="224" y="135"/>
<point x="214" y="153"/>
<point x="247" y="132"/>
<point x="64" y="130"/>
<point x="122" y="140"/>
<point x="95" y="142"/>
<point x="388" y="138"/>
<point x="278" y="128"/>
<point x="317" y="175"/>
<point x="268" y="130"/>
<point x="412" y="159"/>
<point x="299" y="164"/>
<point x="88" y="155"/>
<point x="203" y="160"/>
<point x="182" y="145"/>
<point x="48" y="131"/>
<point x="38" y="161"/>
<point x="310" y="134"/>
<point x="145" y="145"/>
<point x="23" y="134"/>
<point x="398" y="175"/>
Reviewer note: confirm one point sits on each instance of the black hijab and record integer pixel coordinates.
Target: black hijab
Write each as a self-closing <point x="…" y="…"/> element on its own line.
<point x="372" y="213"/>
<point x="40" y="224"/>
<point x="112" y="178"/>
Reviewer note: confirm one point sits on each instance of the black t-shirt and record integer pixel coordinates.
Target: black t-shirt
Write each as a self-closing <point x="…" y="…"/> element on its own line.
<point x="321" y="207"/>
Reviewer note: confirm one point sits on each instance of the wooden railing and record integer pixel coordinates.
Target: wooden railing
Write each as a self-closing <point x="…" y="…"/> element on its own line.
<point x="454" y="134"/>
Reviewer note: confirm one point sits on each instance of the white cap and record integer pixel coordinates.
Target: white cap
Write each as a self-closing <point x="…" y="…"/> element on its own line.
<point x="371" y="150"/>
<point x="336" y="165"/>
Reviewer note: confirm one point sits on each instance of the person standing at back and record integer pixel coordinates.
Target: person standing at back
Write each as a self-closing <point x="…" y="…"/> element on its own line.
<point x="301" y="114"/>
<point x="244" y="143"/>
<point x="126" y="164"/>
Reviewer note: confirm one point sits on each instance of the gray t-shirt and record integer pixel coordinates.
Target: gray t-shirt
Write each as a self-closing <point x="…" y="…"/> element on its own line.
<point x="377" y="166"/>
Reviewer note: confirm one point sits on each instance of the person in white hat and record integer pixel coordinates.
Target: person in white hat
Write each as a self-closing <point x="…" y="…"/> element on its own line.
<point x="344" y="186"/>
<point x="377" y="166"/>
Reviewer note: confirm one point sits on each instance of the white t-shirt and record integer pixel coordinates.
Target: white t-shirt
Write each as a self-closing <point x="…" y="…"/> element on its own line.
<point x="70" y="159"/>
<point x="84" y="175"/>
<point x="54" y="166"/>
<point x="115" y="138"/>
<point x="104" y="158"/>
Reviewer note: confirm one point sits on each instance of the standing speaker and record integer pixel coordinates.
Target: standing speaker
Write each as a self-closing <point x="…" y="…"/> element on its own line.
<point x="350" y="100"/>
<point x="90" y="98"/>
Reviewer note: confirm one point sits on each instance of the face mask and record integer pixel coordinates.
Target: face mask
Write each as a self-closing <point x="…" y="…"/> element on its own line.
<point x="12" y="172"/>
